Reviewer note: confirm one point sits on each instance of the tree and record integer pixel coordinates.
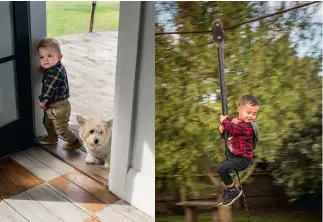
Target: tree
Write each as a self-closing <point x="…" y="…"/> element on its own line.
<point x="298" y="165"/>
<point x="261" y="60"/>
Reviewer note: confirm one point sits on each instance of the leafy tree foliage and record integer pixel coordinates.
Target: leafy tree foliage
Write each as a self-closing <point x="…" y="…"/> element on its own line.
<point x="260" y="58"/>
<point x="298" y="165"/>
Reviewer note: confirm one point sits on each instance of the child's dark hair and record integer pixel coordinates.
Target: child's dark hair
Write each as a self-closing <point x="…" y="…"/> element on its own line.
<point x="249" y="99"/>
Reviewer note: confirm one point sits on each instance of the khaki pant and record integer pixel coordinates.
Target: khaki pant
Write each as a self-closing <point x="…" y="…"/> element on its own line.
<point x="56" y="117"/>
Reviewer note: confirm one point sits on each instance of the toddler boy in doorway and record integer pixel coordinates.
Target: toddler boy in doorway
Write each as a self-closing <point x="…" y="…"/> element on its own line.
<point x="54" y="95"/>
<point x="243" y="135"/>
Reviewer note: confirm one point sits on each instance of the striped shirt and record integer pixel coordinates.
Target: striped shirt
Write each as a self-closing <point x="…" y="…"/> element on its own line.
<point x="55" y="85"/>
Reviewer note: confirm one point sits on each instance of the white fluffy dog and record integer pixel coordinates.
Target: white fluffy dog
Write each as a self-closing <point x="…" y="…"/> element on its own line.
<point x="96" y="136"/>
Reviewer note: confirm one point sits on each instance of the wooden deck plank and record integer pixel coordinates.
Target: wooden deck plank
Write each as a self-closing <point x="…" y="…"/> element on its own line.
<point x="85" y="111"/>
<point x="14" y="180"/>
<point x="110" y="214"/>
<point x="8" y="214"/>
<point x="131" y="212"/>
<point x="76" y="159"/>
<point x="91" y="67"/>
<point x="18" y="175"/>
<point x="90" y="100"/>
<point x="100" y="97"/>
<point x="77" y="194"/>
<point x="74" y="69"/>
<point x="57" y="204"/>
<point x="87" y="104"/>
<point x="31" y="209"/>
<point x="49" y="160"/>
<point x="8" y="188"/>
<point x="71" y="197"/>
<point x="93" y="219"/>
<point x="92" y="187"/>
<point x="33" y="165"/>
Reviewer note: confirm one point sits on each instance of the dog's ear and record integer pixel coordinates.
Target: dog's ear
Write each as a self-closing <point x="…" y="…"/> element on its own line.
<point x="81" y="119"/>
<point x="108" y="123"/>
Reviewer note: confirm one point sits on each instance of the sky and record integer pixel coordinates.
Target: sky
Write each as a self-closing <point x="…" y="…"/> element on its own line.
<point x="301" y="49"/>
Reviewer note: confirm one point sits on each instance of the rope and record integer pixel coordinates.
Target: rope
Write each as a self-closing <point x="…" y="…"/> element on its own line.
<point x="239" y="24"/>
<point x="244" y="198"/>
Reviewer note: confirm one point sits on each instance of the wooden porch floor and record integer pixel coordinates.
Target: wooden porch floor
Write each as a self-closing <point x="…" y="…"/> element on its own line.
<point x="36" y="186"/>
<point x="50" y="184"/>
<point x="90" y="62"/>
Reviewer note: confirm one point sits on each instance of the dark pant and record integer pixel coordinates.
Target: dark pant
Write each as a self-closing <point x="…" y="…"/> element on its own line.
<point x="236" y="163"/>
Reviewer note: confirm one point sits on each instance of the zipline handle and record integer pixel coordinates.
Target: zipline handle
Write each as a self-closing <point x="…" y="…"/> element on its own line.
<point x="217" y="31"/>
<point x="218" y="37"/>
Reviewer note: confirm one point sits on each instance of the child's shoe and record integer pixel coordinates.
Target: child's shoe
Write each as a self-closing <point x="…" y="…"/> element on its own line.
<point x="72" y="146"/>
<point x="49" y="140"/>
<point x="230" y="196"/>
<point x="224" y="194"/>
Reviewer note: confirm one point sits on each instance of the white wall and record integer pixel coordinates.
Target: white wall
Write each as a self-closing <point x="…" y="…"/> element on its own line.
<point x="140" y="186"/>
<point x="143" y="158"/>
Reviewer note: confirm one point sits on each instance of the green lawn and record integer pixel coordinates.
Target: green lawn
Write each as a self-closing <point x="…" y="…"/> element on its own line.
<point x="242" y="217"/>
<point x="65" y="18"/>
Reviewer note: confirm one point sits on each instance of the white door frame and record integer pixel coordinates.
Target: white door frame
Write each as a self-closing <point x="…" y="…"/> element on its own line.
<point x="135" y="59"/>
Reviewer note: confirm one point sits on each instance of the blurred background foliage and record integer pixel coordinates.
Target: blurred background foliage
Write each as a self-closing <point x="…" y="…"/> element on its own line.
<point x="278" y="59"/>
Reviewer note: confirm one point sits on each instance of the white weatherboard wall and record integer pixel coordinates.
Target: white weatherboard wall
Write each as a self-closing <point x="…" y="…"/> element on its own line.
<point x="132" y="170"/>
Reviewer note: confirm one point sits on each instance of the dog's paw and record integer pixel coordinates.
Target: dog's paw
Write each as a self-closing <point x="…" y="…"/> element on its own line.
<point x="90" y="159"/>
<point x="107" y="165"/>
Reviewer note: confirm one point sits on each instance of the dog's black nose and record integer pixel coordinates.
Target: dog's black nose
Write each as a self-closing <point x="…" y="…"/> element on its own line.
<point x="96" y="141"/>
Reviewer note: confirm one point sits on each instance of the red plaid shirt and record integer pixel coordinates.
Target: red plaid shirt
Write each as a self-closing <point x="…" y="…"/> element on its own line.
<point x="240" y="137"/>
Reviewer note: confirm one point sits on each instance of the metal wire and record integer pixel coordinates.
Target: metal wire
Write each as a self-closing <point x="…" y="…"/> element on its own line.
<point x="239" y="24"/>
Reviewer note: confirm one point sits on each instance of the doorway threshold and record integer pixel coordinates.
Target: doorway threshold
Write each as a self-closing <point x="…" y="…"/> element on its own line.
<point x="76" y="159"/>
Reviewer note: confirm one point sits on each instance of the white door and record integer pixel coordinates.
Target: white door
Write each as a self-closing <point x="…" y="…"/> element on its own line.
<point x="132" y="166"/>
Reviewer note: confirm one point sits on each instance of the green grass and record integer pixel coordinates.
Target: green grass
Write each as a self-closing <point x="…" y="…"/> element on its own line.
<point x="65" y="18"/>
<point x="264" y="217"/>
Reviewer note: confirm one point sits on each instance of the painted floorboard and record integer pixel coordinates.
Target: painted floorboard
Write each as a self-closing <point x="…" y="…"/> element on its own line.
<point x="8" y="214"/>
<point x="110" y="214"/>
<point x="36" y="167"/>
<point x="91" y="66"/>
<point x="77" y="194"/>
<point x="31" y="209"/>
<point x="49" y="160"/>
<point x="15" y="179"/>
<point x="91" y="219"/>
<point x="7" y="188"/>
<point x="72" y="197"/>
<point x="57" y="204"/>
<point x="91" y="186"/>
<point x="131" y="212"/>
<point x="76" y="159"/>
